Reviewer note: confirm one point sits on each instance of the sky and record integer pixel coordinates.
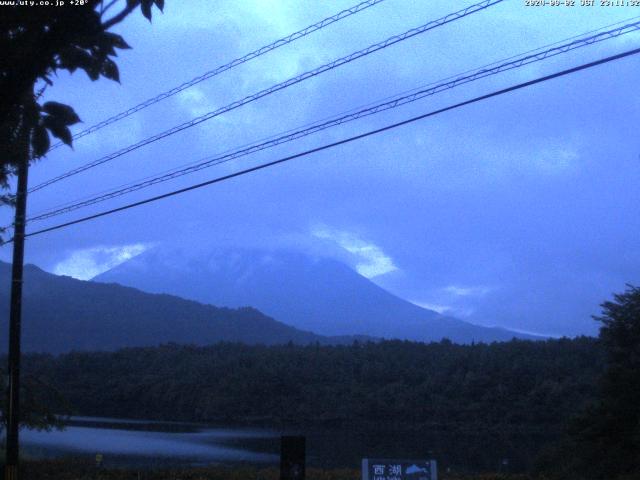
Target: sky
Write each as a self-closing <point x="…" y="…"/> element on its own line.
<point x="519" y="211"/>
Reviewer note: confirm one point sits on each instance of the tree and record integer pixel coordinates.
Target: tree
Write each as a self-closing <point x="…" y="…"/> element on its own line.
<point x="607" y="436"/>
<point x="43" y="406"/>
<point x="36" y="42"/>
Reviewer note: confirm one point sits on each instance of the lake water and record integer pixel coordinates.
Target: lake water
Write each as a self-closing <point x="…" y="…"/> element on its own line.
<point x="151" y="443"/>
<point x="128" y="442"/>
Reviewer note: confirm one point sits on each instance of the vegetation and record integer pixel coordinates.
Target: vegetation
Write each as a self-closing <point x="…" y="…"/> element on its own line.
<point x="36" y="396"/>
<point x="36" y="42"/>
<point x="604" y="439"/>
<point x="79" y="470"/>
<point x="562" y="408"/>
<point x="514" y="395"/>
<point x="518" y="382"/>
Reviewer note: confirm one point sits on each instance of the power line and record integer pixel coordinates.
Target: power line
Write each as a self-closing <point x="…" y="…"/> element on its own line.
<point x="480" y="73"/>
<point x="351" y="110"/>
<point x="228" y="66"/>
<point x="275" y="88"/>
<point x="343" y="141"/>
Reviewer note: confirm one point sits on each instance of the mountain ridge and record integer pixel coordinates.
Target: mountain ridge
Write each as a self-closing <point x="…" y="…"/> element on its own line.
<point x="62" y="314"/>
<point x="310" y="293"/>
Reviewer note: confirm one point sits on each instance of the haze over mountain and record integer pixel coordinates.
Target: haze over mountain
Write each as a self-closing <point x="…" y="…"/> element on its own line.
<point x="62" y="314"/>
<point x="311" y="293"/>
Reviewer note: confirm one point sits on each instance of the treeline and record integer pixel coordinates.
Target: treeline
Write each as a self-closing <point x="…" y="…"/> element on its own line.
<point x="511" y="398"/>
<point x="519" y="383"/>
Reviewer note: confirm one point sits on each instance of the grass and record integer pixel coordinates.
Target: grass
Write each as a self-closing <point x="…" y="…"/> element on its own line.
<point x="70" y="469"/>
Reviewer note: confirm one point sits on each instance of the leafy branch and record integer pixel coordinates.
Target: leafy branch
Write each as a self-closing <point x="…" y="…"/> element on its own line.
<point x="35" y="45"/>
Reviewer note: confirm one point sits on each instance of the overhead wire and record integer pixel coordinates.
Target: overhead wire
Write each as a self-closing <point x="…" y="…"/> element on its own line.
<point x="227" y="66"/>
<point x="414" y="119"/>
<point x="277" y="87"/>
<point x="353" y="109"/>
<point x="394" y="102"/>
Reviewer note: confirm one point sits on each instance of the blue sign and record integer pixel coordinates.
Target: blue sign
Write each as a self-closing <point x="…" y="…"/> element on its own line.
<point x="389" y="469"/>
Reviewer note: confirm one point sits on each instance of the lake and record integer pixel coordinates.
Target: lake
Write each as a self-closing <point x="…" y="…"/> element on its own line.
<point x="147" y="443"/>
<point x="136" y="442"/>
<point x="125" y="442"/>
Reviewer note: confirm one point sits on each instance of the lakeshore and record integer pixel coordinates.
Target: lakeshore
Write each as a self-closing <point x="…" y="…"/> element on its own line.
<point x="68" y="469"/>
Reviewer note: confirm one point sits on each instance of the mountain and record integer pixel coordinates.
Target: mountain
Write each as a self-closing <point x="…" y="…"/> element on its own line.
<point x="316" y="294"/>
<point x="62" y="314"/>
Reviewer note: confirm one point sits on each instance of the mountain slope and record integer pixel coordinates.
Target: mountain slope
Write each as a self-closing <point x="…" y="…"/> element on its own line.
<point x="316" y="294"/>
<point x="62" y="314"/>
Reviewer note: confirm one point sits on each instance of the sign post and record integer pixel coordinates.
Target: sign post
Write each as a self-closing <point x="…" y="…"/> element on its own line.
<point x="391" y="469"/>
<point x="292" y="457"/>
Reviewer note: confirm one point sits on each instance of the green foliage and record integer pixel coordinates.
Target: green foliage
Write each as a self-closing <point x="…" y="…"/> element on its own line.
<point x="514" y="396"/>
<point x="36" y="43"/>
<point x="82" y="470"/>
<point x="606" y="437"/>
<point x="85" y="470"/>
<point x="42" y="407"/>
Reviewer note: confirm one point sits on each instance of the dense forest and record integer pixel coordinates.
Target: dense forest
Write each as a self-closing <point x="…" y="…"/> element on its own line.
<point x="566" y="408"/>
<point x="515" y="396"/>
<point x="519" y="382"/>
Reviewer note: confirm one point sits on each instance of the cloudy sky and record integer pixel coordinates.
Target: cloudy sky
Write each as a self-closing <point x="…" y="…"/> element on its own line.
<point x="520" y="211"/>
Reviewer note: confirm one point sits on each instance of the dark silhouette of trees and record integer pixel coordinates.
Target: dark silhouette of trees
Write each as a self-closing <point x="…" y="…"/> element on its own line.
<point x="43" y="406"/>
<point x="607" y="435"/>
<point x="514" y="396"/>
<point x="36" y="42"/>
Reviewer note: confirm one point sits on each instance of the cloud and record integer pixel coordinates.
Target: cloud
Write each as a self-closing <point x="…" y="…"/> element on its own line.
<point x="532" y="191"/>
<point x="452" y="310"/>
<point x="194" y="101"/>
<point x="372" y="261"/>
<point x="441" y="309"/>
<point x="460" y="291"/>
<point x="558" y="160"/>
<point x="87" y="263"/>
<point x="530" y="332"/>
<point x="455" y="300"/>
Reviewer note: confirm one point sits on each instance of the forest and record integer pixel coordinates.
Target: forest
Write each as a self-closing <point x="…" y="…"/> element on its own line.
<point x="523" y="383"/>
<point x="568" y="408"/>
<point x="516" y="395"/>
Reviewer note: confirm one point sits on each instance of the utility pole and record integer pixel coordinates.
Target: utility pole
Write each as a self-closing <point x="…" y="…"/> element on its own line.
<point x="15" y="316"/>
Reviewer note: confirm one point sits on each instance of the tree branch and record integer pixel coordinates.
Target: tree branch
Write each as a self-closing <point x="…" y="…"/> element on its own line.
<point x="120" y="17"/>
<point x="104" y="9"/>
